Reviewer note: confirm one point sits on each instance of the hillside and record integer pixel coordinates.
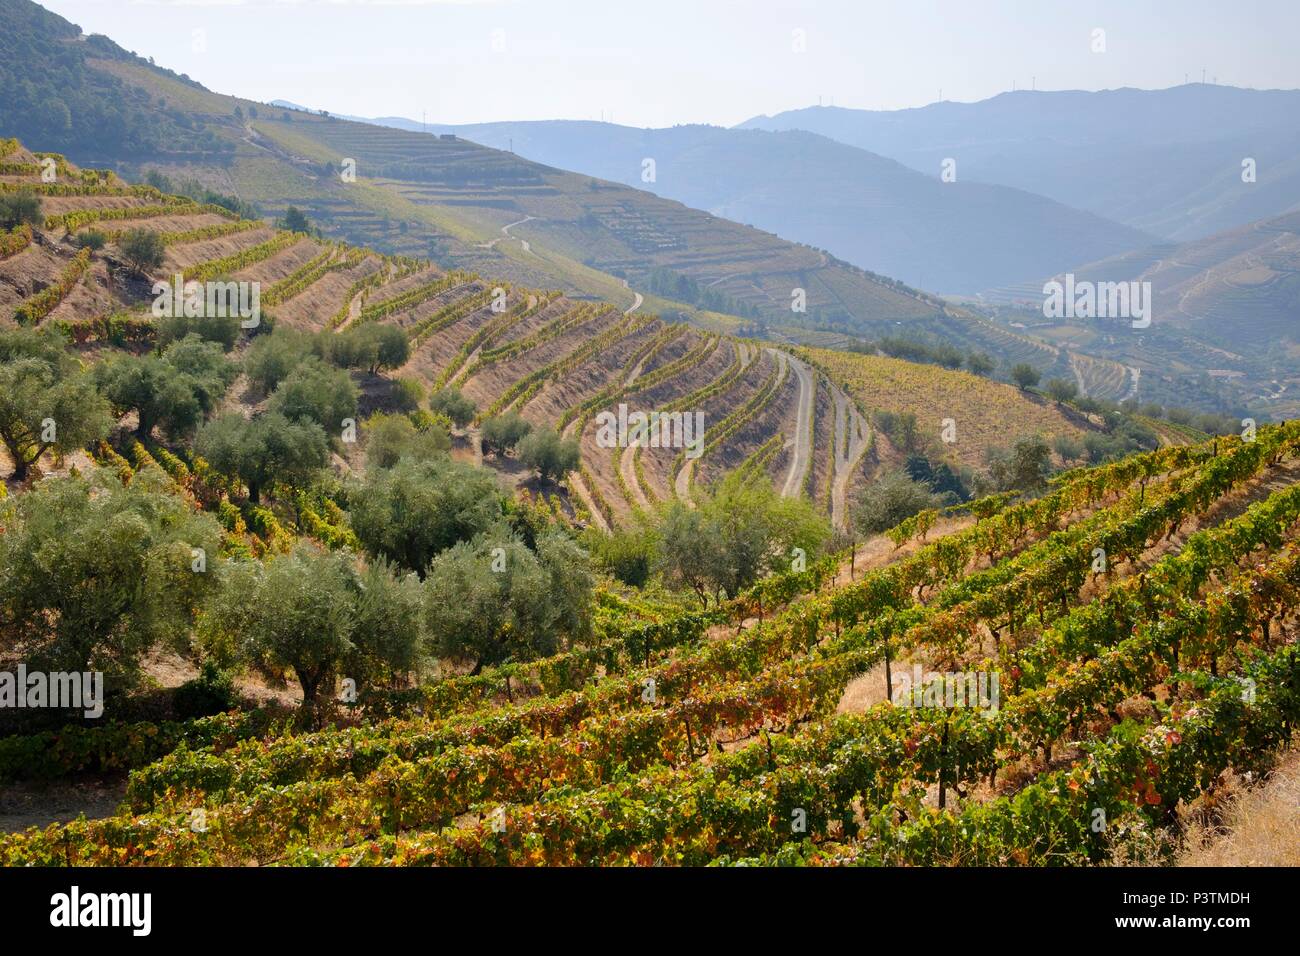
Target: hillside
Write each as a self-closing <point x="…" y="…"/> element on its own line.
<point x="1226" y="303"/>
<point x="1089" y="717"/>
<point x="554" y="359"/>
<point x="466" y="206"/>
<point x="1167" y="162"/>
<point x="950" y="237"/>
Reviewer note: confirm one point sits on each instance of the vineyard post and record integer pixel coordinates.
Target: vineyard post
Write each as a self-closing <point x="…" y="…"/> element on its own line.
<point x="889" y="682"/>
<point x="943" y="762"/>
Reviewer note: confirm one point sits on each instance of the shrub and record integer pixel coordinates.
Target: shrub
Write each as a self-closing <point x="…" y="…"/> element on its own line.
<point x="212" y="692"/>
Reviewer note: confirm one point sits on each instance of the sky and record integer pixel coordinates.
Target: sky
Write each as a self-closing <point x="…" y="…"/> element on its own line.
<point x="663" y="62"/>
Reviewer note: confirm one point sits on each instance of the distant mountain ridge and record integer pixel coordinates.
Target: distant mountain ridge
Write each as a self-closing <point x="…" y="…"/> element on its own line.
<point x="1168" y="162"/>
<point x="952" y="237"/>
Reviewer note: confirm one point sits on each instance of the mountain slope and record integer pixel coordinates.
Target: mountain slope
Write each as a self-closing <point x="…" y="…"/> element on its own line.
<point x="1227" y="303"/>
<point x="417" y="195"/>
<point x="871" y="211"/>
<point x="1165" y="161"/>
<point x="554" y="359"/>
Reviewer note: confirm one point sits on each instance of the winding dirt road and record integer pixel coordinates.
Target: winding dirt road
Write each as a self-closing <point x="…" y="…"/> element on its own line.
<point x="848" y="423"/>
<point x="802" y="456"/>
<point x="636" y="302"/>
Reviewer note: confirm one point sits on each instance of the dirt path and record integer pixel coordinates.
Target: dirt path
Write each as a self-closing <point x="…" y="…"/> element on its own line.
<point x="802" y="456"/>
<point x="580" y="489"/>
<point x="682" y="484"/>
<point x="627" y="468"/>
<point x="847" y="418"/>
<point x="636" y="302"/>
<point x="354" y="311"/>
<point x="505" y="234"/>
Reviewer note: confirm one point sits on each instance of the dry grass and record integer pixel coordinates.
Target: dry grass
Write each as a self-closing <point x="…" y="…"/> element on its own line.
<point x="1260" y="826"/>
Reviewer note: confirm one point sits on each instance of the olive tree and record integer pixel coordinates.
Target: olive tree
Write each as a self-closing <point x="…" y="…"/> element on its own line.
<point x="93" y="573"/>
<point x="263" y="449"/>
<point x="891" y="498"/>
<point x="317" y="393"/>
<point x="175" y="390"/>
<point x="47" y="402"/>
<point x="389" y="438"/>
<point x="143" y="249"/>
<point x="450" y="402"/>
<point x="492" y="600"/>
<point x="551" y="456"/>
<point x="737" y="533"/>
<point x="313" y="612"/>
<point x="417" y="509"/>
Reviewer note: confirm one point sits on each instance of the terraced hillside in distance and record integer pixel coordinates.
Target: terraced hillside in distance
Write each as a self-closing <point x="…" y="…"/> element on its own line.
<point x="1226" y="303"/>
<point x="783" y="727"/>
<point x="553" y="359"/>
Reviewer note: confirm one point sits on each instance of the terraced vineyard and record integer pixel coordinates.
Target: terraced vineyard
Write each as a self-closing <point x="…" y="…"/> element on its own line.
<point x="553" y="359"/>
<point x="1113" y="694"/>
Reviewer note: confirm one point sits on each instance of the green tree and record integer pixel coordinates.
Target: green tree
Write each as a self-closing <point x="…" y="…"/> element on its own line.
<point x="981" y="364"/>
<point x="1025" y="376"/>
<point x="492" y="600"/>
<point x="551" y="456"/>
<point x="175" y="390"/>
<point x="92" y="239"/>
<point x="1061" y="389"/>
<point x="417" y="509"/>
<point x="372" y="346"/>
<point x="450" y="402"/>
<point x="891" y="498"/>
<point x="315" y="392"/>
<point x="295" y="220"/>
<point x="407" y="394"/>
<point x="94" y="573"/>
<point x="143" y="249"/>
<point x="224" y="330"/>
<point x="270" y="358"/>
<point x="389" y="438"/>
<point x="267" y="448"/>
<point x="502" y="433"/>
<point x="312" y="612"/>
<point x="20" y="207"/>
<point x="736" y="534"/>
<point x="1023" y="467"/>
<point x="629" y="555"/>
<point x="47" y="402"/>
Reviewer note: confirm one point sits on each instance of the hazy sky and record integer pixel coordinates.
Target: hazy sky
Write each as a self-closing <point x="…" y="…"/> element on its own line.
<point x="660" y="62"/>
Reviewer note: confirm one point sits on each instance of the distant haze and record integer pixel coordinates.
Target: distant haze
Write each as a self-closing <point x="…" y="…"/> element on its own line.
<point x="687" y="61"/>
